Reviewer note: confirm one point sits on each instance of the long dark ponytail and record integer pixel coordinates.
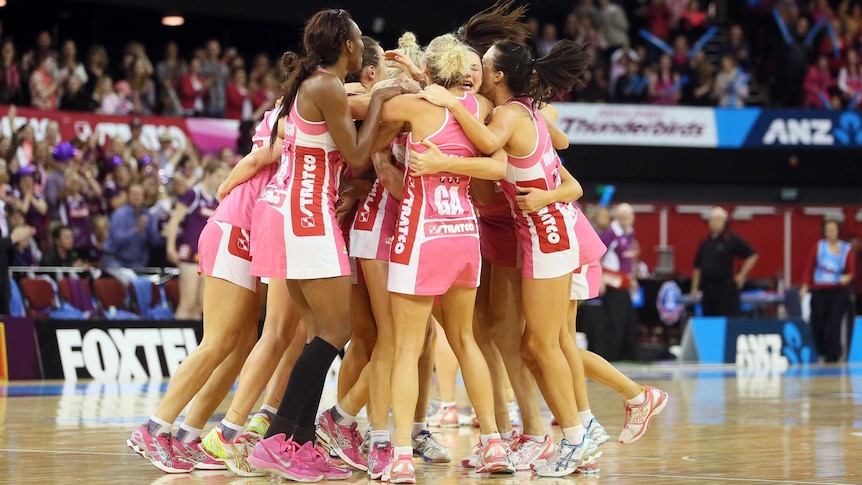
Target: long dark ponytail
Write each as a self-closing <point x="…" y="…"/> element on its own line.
<point x="541" y="79"/>
<point x="323" y="36"/>
<point x="497" y="22"/>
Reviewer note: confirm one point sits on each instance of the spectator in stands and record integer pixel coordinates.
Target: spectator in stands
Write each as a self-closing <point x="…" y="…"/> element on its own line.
<point x="98" y="237"/>
<point x="53" y="137"/>
<point x="533" y="40"/>
<point x="43" y="86"/>
<point x="828" y="47"/>
<point x="852" y="23"/>
<point x="693" y="21"/>
<point x="857" y="280"/>
<point x="731" y="84"/>
<point x="44" y="46"/>
<point x="142" y="87"/>
<point x="74" y="97"/>
<point x="260" y="66"/>
<point x="698" y="90"/>
<point x="594" y="83"/>
<point x="737" y="46"/>
<point x="62" y="252"/>
<point x="10" y="236"/>
<point x="171" y="68"/>
<point x="75" y="211"/>
<point x="68" y="64"/>
<point x="664" y="83"/>
<point x="97" y="67"/>
<point x="829" y="274"/>
<point x="270" y="90"/>
<point x="548" y="40"/>
<point x="216" y="73"/>
<point x="26" y="252"/>
<point x="587" y="8"/>
<point x="819" y="84"/>
<point x="614" y="25"/>
<point x="680" y="59"/>
<point x="132" y="232"/>
<point x="658" y="19"/>
<point x="11" y="91"/>
<point x="136" y="129"/>
<point x="631" y="87"/>
<point x="618" y="265"/>
<point x="24" y="144"/>
<point x="31" y="203"/>
<point x="193" y="87"/>
<point x="109" y="102"/>
<point x="191" y="212"/>
<point x="713" y="267"/>
<point x="117" y="184"/>
<point x="850" y="80"/>
<point x="239" y="105"/>
<point x="55" y="179"/>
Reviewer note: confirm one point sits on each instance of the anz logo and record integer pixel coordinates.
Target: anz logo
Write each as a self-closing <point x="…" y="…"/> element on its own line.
<point x="815" y="131"/>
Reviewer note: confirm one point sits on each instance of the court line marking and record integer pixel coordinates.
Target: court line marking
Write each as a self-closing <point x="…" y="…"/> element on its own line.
<point x="726" y="479"/>
<point x="63" y="452"/>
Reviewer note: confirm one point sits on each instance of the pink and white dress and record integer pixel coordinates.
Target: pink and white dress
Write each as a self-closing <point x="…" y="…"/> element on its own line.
<point x="302" y="239"/>
<point x="436" y="243"/>
<point x="224" y="247"/>
<point x="588" y="277"/>
<point x="549" y="247"/>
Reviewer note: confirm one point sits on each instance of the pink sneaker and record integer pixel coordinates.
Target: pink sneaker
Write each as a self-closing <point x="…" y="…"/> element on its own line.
<point x="195" y="453"/>
<point x="445" y="417"/>
<point x="286" y="459"/>
<point x="345" y="441"/>
<point x="379" y="459"/>
<point x="494" y="458"/>
<point x="638" y="417"/>
<point x="329" y="470"/>
<point x="401" y="470"/>
<point x="159" y="450"/>
<point x="532" y="453"/>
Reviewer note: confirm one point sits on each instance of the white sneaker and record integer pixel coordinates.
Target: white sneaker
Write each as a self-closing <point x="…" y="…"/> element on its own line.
<point x="597" y="432"/>
<point x="638" y="417"/>
<point x="569" y="457"/>
<point x="531" y="453"/>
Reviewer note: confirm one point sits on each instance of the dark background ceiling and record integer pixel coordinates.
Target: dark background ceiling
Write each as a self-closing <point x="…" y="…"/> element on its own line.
<point x="250" y="25"/>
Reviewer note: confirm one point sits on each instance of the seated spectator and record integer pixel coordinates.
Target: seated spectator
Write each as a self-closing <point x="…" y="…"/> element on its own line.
<point x="26" y="251"/>
<point x="614" y="25"/>
<point x="31" y="203"/>
<point x="664" y="83"/>
<point x="11" y="91"/>
<point x="619" y="62"/>
<point x="658" y="19"/>
<point x="632" y="86"/>
<point x="737" y="46"/>
<point x="731" y="84"/>
<point x="193" y="88"/>
<point x="693" y="21"/>
<point x="819" y="84"/>
<point x="238" y="98"/>
<point x="108" y="100"/>
<point x="68" y="64"/>
<point x="75" y="98"/>
<point x="850" y="80"/>
<point x="43" y="87"/>
<point x="142" y="88"/>
<point x="132" y="233"/>
<point x="548" y="40"/>
<point x="62" y="252"/>
<point x="98" y="236"/>
<point x="680" y="54"/>
<point x="698" y="90"/>
<point x="97" y="67"/>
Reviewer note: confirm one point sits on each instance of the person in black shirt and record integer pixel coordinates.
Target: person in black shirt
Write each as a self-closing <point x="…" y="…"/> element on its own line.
<point x="713" y="268"/>
<point x="61" y="253"/>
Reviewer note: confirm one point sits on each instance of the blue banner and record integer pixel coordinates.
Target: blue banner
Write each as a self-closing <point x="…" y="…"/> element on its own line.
<point x="756" y="343"/>
<point x="813" y="129"/>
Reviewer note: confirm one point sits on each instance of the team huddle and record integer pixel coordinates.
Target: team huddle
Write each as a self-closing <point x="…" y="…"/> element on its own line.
<point x="448" y="205"/>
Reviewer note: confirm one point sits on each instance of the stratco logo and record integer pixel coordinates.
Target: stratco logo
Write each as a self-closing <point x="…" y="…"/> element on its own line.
<point x="115" y="354"/>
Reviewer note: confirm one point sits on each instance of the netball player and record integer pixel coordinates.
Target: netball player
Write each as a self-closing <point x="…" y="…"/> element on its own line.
<point x="304" y="244"/>
<point x="192" y="212"/>
<point x="516" y="84"/>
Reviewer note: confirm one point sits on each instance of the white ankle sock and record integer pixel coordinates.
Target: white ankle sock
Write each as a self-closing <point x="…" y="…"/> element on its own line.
<point x="508" y="436"/>
<point x="586" y="417"/>
<point x="230" y="431"/>
<point x="378" y="436"/>
<point x="419" y="427"/>
<point x="575" y="434"/>
<point x="187" y="434"/>
<point x="158" y="426"/>
<point x="638" y="400"/>
<point x="268" y="410"/>
<point x="344" y="418"/>
<point x="403" y="450"/>
<point x="483" y="439"/>
<point x="537" y="439"/>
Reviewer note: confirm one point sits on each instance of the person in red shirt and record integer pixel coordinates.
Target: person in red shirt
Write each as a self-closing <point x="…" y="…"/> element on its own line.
<point x="829" y="273"/>
<point x="818" y="83"/>
<point x="238" y="98"/>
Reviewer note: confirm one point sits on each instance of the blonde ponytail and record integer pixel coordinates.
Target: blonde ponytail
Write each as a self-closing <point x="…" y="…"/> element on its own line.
<point x="447" y="60"/>
<point x="408" y="46"/>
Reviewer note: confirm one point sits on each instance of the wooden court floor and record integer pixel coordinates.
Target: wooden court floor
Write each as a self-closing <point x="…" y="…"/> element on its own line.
<point x="722" y="425"/>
